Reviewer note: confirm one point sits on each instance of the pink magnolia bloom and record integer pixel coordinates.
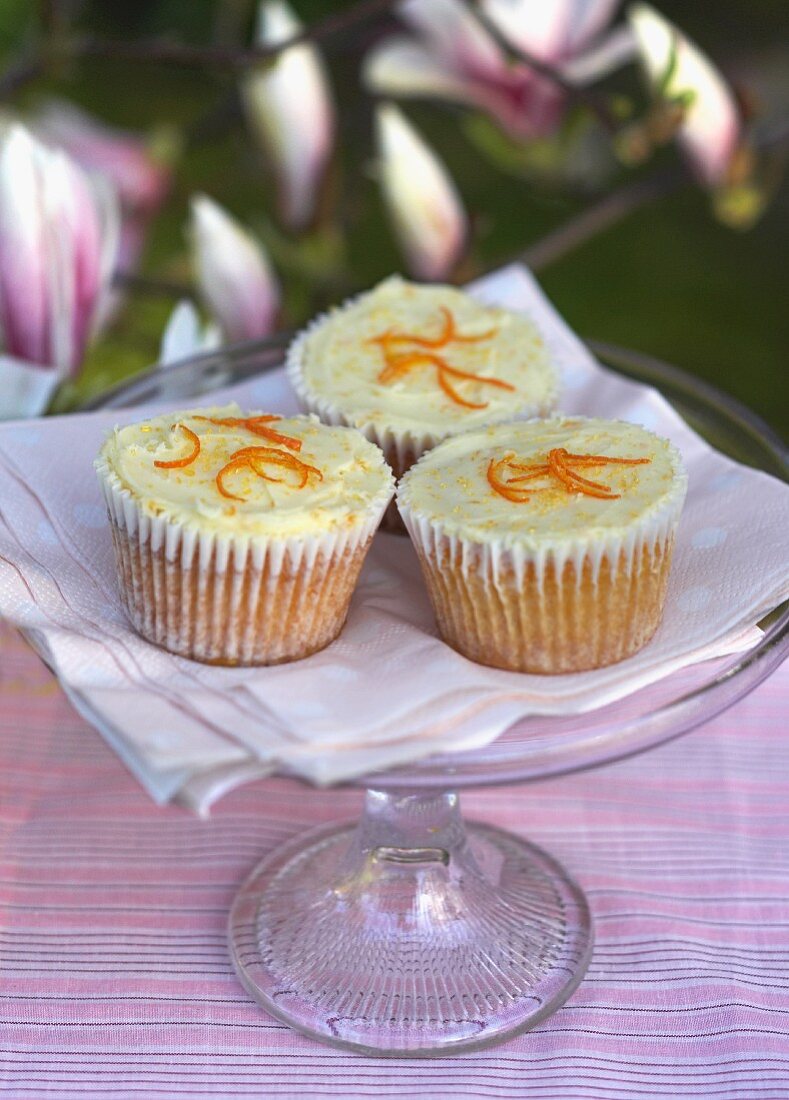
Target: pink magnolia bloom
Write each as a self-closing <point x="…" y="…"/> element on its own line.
<point x="289" y="106"/>
<point x="452" y="56"/>
<point x="423" y="202"/>
<point x="140" y="181"/>
<point x="58" y="241"/>
<point x="710" y="130"/>
<point x="233" y="273"/>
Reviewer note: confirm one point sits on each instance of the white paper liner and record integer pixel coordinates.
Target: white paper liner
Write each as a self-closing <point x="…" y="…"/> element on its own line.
<point x="191" y="590"/>
<point x="402" y="447"/>
<point x="496" y="556"/>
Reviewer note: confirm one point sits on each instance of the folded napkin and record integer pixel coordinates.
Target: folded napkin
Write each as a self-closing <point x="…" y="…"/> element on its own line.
<point x="388" y="691"/>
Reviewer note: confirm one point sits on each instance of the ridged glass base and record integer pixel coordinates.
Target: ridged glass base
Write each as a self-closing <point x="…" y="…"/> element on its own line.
<point x="407" y="933"/>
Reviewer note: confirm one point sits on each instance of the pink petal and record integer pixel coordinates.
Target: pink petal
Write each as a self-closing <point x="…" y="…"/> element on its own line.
<point x="75" y="245"/>
<point x="404" y="67"/>
<point x="607" y="54"/>
<point x="233" y="273"/>
<point x="24" y="297"/>
<point x="521" y="103"/>
<point x="141" y="182"/>
<point x="290" y="107"/>
<point x="423" y="202"/>
<point x="453" y="35"/>
<point x="57" y="248"/>
<point x="711" y="127"/>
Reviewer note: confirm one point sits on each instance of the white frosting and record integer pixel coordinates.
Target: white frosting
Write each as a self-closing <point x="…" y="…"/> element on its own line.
<point x="447" y="493"/>
<point x="335" y="366"/>
<point x="355" y="478"/>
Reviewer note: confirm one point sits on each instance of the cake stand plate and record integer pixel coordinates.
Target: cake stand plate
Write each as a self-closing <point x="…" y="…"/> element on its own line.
<point x="412" y="934"/>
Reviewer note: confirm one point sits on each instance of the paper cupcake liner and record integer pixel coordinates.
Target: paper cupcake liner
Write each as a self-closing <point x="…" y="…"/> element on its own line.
<point x="564" y="609"/>
<point x="234" y="600"/>
<point x="402" y="447"/>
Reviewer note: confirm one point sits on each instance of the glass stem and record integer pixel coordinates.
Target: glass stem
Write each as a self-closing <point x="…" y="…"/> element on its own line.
<point x="403" y="833"/>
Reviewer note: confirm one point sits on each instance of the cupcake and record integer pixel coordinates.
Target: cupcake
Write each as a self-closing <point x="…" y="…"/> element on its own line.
<point x="409" y="365"/>
<point x="546" y="546"/>
<point x="239" y="538"/>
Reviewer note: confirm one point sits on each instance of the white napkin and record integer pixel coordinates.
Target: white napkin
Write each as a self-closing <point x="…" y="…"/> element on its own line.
<point x="388" y="691"/>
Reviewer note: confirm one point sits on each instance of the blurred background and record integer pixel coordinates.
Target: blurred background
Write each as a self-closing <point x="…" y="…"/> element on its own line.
<point x="665" y="259"/>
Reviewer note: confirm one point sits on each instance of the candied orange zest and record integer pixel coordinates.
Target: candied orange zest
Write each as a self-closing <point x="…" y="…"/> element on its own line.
<point x="603" y="460"/>
<point x="256" y="458"/>
<point x="538" y="471"/>
<point x="591" y="488"/>
<point x="228" y="469"/>
<point x="187" y="460"/>
<point x="571" y="480"/>
<point x="504" y="488"/>
<point x="390" y="337"/>
<point x="559" y="465"/>
<point x="398" y="363"/>
<point x="453" y="394"/>
<point x="477" y="378"/>
<point x="258" y="426"/>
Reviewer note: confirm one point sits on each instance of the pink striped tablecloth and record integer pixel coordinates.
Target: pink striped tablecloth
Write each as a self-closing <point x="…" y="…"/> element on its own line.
<point x="115" y="979"/>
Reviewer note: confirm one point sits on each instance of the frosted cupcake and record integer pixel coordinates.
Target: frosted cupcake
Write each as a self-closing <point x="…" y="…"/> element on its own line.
<point x="409" y="365"/>
<point x="546" y="546"/>
<point x="239" y="539"/>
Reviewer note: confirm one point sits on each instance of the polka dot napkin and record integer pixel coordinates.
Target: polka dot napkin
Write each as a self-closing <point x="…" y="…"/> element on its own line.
<point x="388" y="691"/>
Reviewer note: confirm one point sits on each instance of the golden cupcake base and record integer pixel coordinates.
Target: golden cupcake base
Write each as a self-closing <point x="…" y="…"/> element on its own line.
<point x="546" y="623"/>
<point x="236" y="616"/>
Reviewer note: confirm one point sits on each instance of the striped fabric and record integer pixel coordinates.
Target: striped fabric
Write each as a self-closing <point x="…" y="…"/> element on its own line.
<point x="115" y="980"/>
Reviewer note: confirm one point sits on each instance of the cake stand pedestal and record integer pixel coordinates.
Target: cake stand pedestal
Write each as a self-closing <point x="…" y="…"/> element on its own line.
<point x="410" y="932"/>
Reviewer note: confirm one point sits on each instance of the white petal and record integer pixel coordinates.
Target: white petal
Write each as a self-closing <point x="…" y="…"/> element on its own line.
<point x="424" y="205"/>
<point x="710" y="128"/>
<point x="610" y="53"/>
<point x="184" y="335"/>
<point x="403" y="67"/>
<point x="25" y="388"/>
<point x="289" y="105"/>
<point x="552" y="30"/>
<point x="233" y="272"/>
<point x="454" y="35"/>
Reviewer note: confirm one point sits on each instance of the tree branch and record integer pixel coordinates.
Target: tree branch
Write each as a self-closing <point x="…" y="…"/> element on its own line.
<point x="613" y="207"/>
<point x="179" y="53"/>
<point x="28" y="67"/>
<point x="600" y="216"/>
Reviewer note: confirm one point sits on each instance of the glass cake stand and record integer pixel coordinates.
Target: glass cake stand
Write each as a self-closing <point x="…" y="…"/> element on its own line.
<point x="410" y="932"/>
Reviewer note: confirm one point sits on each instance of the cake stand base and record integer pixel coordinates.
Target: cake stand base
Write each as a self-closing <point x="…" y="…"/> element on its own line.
<point x="409" y="934"/>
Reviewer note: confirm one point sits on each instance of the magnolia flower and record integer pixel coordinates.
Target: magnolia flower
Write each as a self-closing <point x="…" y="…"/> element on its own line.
<point x="58" y="242"/>
<point x="454" y="57"/>
<point x="140" y="181"/>
<point x="423" y="203"/>
<point x="185" y="335"/>
<point x="233" y="273"/>
<point x="290" y="108"/>
<point x="709" y="126"/>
